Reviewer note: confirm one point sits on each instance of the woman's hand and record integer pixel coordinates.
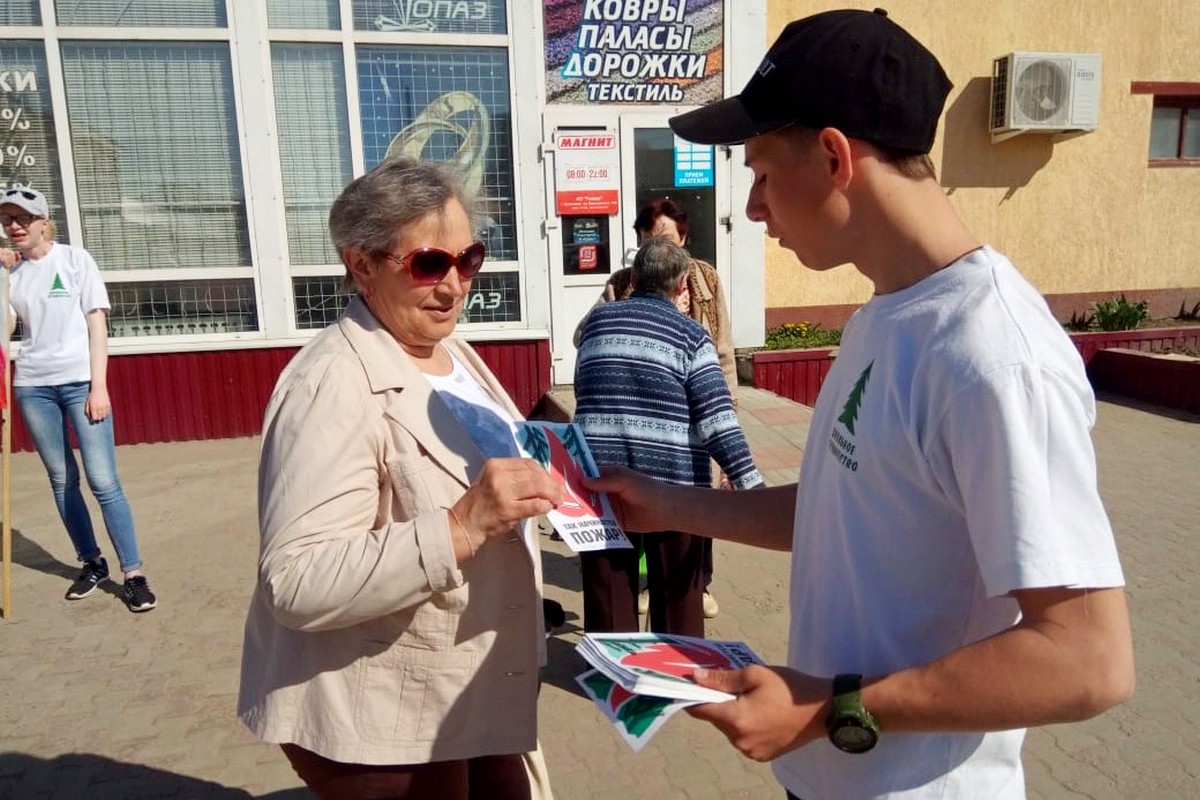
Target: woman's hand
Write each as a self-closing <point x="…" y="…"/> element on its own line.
<point x="507" y="491"/>
<point x="98" y="405"/>
<point x="9" y="258"/>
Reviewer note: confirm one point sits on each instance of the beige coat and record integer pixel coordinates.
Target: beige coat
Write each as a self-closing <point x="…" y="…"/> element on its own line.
<point x="365" y="642"/>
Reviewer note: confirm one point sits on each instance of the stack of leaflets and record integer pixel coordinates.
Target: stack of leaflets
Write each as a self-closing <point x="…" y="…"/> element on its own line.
<point x="640" y="680"/>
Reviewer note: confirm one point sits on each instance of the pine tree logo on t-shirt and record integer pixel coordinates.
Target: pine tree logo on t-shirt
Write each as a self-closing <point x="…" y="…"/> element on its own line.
<point x="58" y="288"/>
<point x="842" y="447"/>
<point x="854" y="401"/>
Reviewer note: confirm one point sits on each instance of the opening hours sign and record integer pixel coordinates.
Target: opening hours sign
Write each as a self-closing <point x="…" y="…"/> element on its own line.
<point x="587" y="167"/>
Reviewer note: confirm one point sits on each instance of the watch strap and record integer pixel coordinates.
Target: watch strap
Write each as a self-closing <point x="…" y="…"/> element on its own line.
<point x="849" y="714"/>
<point x="845" y="684"/>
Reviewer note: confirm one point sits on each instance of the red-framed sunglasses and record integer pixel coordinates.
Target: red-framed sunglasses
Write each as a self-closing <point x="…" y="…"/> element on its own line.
<point x="429" y="266"/>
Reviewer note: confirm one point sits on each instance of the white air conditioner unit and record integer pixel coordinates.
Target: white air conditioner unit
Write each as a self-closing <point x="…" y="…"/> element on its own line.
<point x="1044" y="93"/>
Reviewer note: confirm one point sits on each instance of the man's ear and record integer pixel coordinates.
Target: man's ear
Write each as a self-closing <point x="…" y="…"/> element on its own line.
<point x="836" y="151"/>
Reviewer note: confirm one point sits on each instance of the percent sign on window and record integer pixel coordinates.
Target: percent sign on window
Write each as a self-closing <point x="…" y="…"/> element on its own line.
<point x="17" y="156"/>
<point x="15" y="118"/>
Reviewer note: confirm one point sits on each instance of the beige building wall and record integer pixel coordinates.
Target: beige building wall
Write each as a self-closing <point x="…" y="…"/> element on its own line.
<point x="1084" y="215"/>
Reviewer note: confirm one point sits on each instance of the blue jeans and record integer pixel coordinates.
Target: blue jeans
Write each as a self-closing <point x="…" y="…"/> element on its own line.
<point x="48" y="410"/>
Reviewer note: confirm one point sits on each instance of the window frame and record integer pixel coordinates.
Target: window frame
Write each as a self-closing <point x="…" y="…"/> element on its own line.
<point x="350" y="39"/>
<point x="52" y="36"/>
<point x="1174" y="94"/>
<point x="249" y="39"/>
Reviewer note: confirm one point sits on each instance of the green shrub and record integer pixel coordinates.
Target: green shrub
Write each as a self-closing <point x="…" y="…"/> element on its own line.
<point x="1080" y="322"/>
<point x="801" y="334"/>
<point x="1119" y="314"/>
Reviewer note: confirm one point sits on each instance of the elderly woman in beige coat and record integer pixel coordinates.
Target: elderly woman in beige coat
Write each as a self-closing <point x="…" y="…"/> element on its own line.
<point x="393" y="642"/>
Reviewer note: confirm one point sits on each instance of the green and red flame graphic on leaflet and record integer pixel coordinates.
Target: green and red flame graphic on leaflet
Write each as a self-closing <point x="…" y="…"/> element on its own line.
<point x="578" y="501"/>
<point x="677" y="659"/>
<point x="637" y="713"/>
<point x="639" y="680"/>
<point x="584" y="518"/>
<point x="564" y="458"/>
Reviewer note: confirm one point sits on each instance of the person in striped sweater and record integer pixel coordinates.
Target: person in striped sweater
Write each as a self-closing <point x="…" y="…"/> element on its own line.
<point x="650" y="395"/>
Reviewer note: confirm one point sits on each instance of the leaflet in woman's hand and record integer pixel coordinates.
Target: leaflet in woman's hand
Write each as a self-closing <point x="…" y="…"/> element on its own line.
<point x="584" y="518"/>
<point x="661" y="664"/>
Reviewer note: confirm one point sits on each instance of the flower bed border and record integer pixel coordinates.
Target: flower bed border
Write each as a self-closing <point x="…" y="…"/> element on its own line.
<point x="798" y="374"/>
<point x="1171" y="381"/>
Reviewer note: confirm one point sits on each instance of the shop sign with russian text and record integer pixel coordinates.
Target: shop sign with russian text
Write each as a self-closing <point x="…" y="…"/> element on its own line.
<point x="667" y="52"/>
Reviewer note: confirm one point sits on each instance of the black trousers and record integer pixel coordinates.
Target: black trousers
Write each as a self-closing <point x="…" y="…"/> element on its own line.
<point x="674" y="577"/>
<point x="706" y="571"/>
<point x="482" y="778"/>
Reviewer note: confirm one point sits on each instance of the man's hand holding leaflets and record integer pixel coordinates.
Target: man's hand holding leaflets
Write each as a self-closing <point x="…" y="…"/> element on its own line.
<point x="640" y="680"/>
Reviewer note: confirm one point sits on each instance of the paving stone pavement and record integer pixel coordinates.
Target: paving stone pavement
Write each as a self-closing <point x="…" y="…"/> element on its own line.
<point x="96" y="702"/>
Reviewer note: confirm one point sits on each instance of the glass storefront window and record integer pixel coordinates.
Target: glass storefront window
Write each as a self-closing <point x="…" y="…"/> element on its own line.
<point x="28" y="148"/>
<point x="494" y="297"/>
<point x="445" y="104"/>
<point x="20" y="12"/>
<point x="310" y="14"/>
<point x="143" y="13"/>
<point x="319" y="301"/>
<point x="179" y="308"/>
<point x="656" y="174"/>
<point x="431" y="16"/>
<point x="157" y="160"/>
<point x="314" y="143"/>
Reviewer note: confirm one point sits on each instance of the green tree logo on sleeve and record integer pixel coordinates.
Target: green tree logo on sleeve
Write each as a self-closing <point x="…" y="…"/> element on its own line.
<point x="854" y="401"/>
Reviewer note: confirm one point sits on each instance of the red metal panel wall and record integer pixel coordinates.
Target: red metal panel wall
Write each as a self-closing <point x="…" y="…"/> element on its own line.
<point x="794" y="374"/>
<point x="798" y="374"/>
<point x="1152" y="379"/>
<point x="522" y="367"/>
<point x="1147" y="340"/>
<point x="175" y="397"/>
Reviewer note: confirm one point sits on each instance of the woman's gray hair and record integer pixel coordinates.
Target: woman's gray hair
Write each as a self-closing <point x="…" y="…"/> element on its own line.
<point x="372" y="211"/>
<point x="659" y="265"/>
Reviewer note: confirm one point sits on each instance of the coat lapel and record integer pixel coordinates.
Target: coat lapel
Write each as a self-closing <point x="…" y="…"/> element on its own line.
<point x="409" y="400"/>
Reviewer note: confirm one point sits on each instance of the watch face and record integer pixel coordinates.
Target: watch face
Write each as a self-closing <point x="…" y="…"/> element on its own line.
<point x="854" y="738"/>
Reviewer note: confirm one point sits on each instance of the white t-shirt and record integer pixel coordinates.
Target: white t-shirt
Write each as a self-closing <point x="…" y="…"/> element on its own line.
<point x="947" y="464"/>
<point x="53" y="296"/>
<point x="491" y="427"/>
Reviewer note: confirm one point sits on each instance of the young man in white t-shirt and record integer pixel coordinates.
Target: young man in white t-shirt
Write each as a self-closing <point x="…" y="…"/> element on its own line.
<point x="954" y="575"/>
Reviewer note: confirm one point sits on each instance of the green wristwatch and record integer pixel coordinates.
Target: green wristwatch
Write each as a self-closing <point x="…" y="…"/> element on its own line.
<point x="851" y="727"/>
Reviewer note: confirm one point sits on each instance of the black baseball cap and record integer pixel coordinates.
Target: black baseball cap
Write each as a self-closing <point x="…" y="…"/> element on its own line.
<point x="853" y="70"/>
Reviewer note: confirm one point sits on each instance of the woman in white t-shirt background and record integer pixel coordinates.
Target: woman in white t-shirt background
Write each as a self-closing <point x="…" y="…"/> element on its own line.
<point x="61" y="384"/>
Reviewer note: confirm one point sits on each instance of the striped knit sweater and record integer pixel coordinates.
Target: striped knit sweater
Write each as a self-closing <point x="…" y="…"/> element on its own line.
<point x="650" y="395"/>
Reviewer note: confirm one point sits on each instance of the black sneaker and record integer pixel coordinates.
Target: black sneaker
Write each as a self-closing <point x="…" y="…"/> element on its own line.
<point x="92" y="575"/>
<point x="138" y="595"/>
